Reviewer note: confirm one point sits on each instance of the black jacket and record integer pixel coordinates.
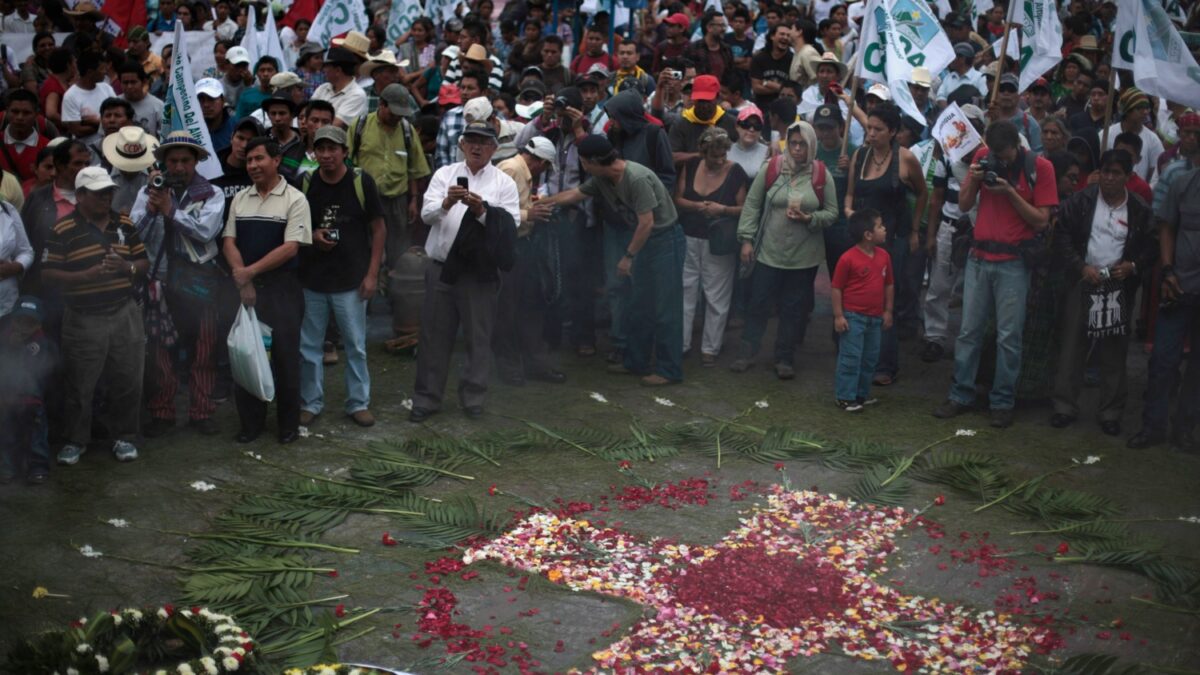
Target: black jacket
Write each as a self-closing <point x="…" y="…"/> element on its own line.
<point x="482" y="248"/>
<point x="39" y="215"/>
<point x="638" y="139"/>
<point x="1074" y="229"/>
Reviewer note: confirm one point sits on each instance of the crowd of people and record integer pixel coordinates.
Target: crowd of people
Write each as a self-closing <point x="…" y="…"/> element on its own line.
<point x="541" y="179"/>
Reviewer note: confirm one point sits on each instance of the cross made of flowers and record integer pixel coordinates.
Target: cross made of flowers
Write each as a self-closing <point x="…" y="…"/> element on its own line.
<point x="798" y="578"/>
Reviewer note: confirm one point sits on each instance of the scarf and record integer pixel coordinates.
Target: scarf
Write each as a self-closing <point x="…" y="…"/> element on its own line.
<point x="636" y="74"/>
<point x="788" y="166"/>
<point x="689" y="114"/>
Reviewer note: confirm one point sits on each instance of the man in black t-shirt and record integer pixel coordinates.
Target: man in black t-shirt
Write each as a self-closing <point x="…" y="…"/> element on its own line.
<point x="339" y="273"/>
<point x="234" y="178"/>
<point x="769" y="68"/>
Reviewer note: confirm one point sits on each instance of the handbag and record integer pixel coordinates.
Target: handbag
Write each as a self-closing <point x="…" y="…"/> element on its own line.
<point x="746" y="269"/>
<point x="722" y="236"/>
<point x="195" y="281"/>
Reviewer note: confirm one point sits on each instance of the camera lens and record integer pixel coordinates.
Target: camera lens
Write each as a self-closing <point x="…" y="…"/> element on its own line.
<point x="158" y="182"/>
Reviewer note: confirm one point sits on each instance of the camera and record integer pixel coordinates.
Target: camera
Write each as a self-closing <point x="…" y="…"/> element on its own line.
<point x="990" y="167"/>
<point x="333" y="235"/>
<point x="1105" y="273"/>
<point x="158" y="182"/>
<point x="561" y="102"/>
<point x="675" y="75"/>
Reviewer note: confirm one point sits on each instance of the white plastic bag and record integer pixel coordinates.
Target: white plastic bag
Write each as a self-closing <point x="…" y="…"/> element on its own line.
<point x="248" y="355"/>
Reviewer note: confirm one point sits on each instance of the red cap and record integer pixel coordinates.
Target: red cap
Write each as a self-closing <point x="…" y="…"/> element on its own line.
<point x="1041" y="83"/>
<point x="1189" y="121"/>
<point x="705" y="88"/>
<point x="449" y="93"/>
<point x="680" y="19"/>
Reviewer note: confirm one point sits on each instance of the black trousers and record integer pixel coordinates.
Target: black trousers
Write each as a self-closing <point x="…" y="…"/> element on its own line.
<point x="280" y="305"/>
<point x="518" y="340"/>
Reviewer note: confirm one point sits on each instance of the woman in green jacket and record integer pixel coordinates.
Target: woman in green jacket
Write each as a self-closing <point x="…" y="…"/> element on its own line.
<point x="781" y="230"/>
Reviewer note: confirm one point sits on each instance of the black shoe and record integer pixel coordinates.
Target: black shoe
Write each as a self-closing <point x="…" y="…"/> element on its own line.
<point x="245" y="436"/>
<point x="289" y="437"/>
<point x="513" y="379"/>
<point x="1111" y="427"/>
<point x="418" y="415"/>
<point x="206" y="427"/>
<point x="157" y="427"/>
<point x="220" y="392"/>
<point x="1002" y="418"/>
<point x="932" y="352"/>
<point x="473" y="411"/>
<point x="950" y="409"/>
<point x="1060" y="421"/>
<point x="549" y="375"/>
<point x="785" y="371"/>
<point x="1145" y="439"/>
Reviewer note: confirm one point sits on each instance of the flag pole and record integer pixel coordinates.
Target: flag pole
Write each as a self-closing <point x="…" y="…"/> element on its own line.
<point x="1108" y="106"/>
<point x="850" y="113"/>
<point x="1008" y="24"/>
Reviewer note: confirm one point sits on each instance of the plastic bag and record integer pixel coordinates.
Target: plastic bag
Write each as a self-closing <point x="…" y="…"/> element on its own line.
<point x="248" y="355"/>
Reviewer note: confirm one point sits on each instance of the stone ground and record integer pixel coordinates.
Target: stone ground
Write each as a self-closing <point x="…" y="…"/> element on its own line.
<point x="43" y="526"/>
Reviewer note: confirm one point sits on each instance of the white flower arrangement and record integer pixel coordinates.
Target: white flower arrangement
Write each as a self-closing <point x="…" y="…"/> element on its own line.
<point x="202" y="486"/>
<point x="230" y="663"/>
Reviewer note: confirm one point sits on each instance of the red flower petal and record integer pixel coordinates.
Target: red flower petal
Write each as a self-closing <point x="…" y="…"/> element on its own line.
<point x="939" y="500"/>
<point x="339" y="611"/>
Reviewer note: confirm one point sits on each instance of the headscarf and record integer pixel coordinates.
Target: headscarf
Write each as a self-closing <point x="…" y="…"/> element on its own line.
<point x="788" y="166"/>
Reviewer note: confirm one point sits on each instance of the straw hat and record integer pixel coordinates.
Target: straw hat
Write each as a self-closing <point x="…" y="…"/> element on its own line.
<point x="85" y="8"/>
<point x="354" y="42"/>
<point x="384" y="59"/>
<point x="129" y="149"/>
<point x="830" y="59"/>
<point x="181" y="138"/>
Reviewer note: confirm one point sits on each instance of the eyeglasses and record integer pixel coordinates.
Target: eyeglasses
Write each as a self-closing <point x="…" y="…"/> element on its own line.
<point x="751" y="126"/>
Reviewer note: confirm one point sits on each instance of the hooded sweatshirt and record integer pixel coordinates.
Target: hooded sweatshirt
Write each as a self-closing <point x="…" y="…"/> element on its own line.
<point x="637" y="139"/>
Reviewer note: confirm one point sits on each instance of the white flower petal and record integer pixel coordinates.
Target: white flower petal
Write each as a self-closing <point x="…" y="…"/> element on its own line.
<point x="762" y="405"/>
<point x="202" y="486"/>
<point x="118" y="522"/>
<point x="89" y="552"/>
<point x="665" y="402"/>
<point x="407" y="404"/>
<point x="965" y="432"/>
<point x="598" y="397"/>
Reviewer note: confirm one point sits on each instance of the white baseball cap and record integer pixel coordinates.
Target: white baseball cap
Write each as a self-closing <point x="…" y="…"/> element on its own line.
<point x="93" y="179"/>
<point x="209" y="87"/>
<point x="477" y="110"/>
<point x="541" y="147"/>
<point x="880" y="91"/>
<point x="238" y="55"/>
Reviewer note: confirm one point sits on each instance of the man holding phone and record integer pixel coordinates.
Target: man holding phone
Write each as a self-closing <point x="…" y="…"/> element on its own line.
<point x="472" y="209"/>
<point x="95" y="257"/>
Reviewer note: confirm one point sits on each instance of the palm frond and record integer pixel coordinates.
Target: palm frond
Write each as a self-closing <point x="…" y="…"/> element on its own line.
<point x="871" y="488"/>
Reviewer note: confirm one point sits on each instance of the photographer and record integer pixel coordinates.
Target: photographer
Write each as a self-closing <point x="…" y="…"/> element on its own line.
<point x="1015" y="192"/>
<point x="180" y="214"/>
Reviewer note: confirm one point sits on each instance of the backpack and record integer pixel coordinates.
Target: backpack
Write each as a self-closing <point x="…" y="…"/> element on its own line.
<point x="358" y="187"/>
<point x="357" y="134"/>
<point x="819" y="175"/>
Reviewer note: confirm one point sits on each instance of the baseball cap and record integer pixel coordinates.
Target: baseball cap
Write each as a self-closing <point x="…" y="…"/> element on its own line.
<point x="880" y="91"/>
<point x="965" y="50"/>
<point x="533" y="87"/>
<point x="679" y="19"/>
<point x="138" y="33"/>
<point x="480" y="129"/>
<point x="238" y="54"/>
<point x="1010" y="80"/>
<point x="284" y="80"/>
<point x="209" y="87"/>
<point x="1189" y="121"/>
<point x="531" y="70"/>
<point x="705" y="88"/>
<point x="28" y="305"/>
<point x="333" y="133"/>
<point x="477" y="110"/>
<point x="749" y="112"/>
<point x="598" y="72"/>
<point x="956" y="20"/>
<point x="255" y="127"/>
<point x="541" y="147"/>
<point x="94" y="179"/>
<point x="1040" y="83"/>
<point x="594" y="146"/>
<point x="449" y="94"/>
<point x="827" y="116"/>
<point x="398" y="100"/>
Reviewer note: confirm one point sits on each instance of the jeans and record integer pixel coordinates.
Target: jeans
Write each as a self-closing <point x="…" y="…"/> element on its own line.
<point x="858" y="350"/>
<point x="991" y="287"/>
<point x="889" y="349"/>
<point x="1170" y="333"/>
<point x="350" y="312"/>
<point x="793" y="290"/>
<point x="616" y="287"/>
<point x="581" y="256"/>
<point x="711" y="275"/>
<point x="656" y="306"/>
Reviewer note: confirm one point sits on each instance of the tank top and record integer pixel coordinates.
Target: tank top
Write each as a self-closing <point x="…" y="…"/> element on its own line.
<point x="886" y="194"/>
<point x="696" y="224"/>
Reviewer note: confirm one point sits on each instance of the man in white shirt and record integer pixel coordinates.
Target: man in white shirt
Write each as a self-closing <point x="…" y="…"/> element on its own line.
<point x="340" y="89"/>
<point x="472" y="210"/>
<point x="81" y="103"/>
<point x="16" y="18"/>
<point x="960" y="73"/>
<point x="147" y="108"/>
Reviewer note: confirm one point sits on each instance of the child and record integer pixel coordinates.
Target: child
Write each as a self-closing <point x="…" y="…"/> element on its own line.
<point x="863" y="292"/>
<point x="29" y="359"/>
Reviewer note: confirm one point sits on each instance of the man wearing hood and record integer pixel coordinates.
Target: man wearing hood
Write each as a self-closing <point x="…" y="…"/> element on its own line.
<point x="704" y="113"/>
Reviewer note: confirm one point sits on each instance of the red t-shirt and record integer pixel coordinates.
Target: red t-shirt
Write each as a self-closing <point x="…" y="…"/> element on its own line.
<point x="862" y="278"/>
<point x="582" y="63"/>
<point x="1138" y="186"/>
<point x="998" y="221"/>
<point x="51" y="86"/>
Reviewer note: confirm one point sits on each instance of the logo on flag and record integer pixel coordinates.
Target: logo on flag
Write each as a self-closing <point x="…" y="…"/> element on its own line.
<point x="181" y="108"/>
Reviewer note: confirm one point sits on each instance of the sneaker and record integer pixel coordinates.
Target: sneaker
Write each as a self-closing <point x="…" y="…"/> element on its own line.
<point x="867" y="401"/>
<point x="932" y="352"/>
<point x="850" y="406"/>
<point x="70" y="454"/>
<point x="125" y="451"/>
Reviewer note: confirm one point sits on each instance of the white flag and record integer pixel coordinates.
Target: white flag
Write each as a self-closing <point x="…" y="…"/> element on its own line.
<point x="976" y="9"/>
<point x="1148" y="44"/>
<point x="250" y="39"/>
<point x="269" y="45"/>
<point x="181" y="108"/>
<point x="1041" y="40"/>
<point x="335" y="18"/>
<point x="401" y="18"/>
<point x="897" y="36"/>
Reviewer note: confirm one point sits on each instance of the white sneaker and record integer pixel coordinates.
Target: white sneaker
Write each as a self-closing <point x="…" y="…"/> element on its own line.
<point x="70" y="454"/>
<point x="124" y="450"/>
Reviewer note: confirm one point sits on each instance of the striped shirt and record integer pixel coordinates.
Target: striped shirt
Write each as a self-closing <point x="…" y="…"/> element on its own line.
<point x="75" y="245"/>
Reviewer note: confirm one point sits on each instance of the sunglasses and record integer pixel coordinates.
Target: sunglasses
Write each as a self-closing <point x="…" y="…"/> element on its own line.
<point x="751" y="126"/>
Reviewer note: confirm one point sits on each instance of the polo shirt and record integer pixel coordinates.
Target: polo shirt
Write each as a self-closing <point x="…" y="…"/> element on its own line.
<point x="75" y="245"/>
<point x="260" y="225"/>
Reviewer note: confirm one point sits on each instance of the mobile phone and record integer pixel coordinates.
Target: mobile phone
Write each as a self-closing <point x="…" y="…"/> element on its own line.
<point x="462" y="182"/>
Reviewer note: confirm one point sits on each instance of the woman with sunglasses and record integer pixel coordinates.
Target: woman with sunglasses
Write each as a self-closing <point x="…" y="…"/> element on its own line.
<point x="750" y="152"/>
<point x="781" y="230"/>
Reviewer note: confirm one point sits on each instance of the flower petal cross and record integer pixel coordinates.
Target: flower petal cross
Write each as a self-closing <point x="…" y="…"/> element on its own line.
<point x="796" y="579"/>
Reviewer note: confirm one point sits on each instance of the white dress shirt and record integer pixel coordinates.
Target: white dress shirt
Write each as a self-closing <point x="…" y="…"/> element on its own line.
<point x="952" y="80"/>
<point x="14" y="247"/>
<point x="1110" y="229"/>
<point x="348" y="104"/>
<point x="493" y="185"/>
<point x="812" y="98"/>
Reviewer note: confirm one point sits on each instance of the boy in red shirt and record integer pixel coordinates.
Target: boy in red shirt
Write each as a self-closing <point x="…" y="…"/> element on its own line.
<point x="863" y="293"/>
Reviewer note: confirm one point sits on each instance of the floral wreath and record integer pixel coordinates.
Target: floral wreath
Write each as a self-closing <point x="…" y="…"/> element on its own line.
<point x="205" y="642"/>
